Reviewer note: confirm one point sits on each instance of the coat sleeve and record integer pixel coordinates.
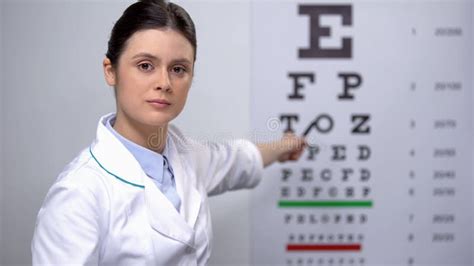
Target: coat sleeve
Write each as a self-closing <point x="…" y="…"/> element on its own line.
<point x="223" y="166"/>
<point x="232" y="165"/>
<point x="67" y="227"/>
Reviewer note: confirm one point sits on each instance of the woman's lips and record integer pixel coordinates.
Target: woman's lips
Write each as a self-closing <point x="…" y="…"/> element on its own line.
<point x="159" y="103"/>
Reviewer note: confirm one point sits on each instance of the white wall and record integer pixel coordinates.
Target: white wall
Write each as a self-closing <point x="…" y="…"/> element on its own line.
<point x="54" y="92"/>
<point x="472" y="121"/>
<point x="2" y="88"/>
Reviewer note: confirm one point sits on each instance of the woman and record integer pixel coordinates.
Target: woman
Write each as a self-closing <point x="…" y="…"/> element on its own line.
<point x="138" y="194"/>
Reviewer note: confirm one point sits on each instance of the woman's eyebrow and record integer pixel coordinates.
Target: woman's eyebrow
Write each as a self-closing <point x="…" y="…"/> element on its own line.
<point x="145" y="55"/>
<point x="182" y="61"/>
<point x="155" y="58"/>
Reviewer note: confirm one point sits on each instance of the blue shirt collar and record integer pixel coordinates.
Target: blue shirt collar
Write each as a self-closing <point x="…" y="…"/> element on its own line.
<point x="151" y="162"/>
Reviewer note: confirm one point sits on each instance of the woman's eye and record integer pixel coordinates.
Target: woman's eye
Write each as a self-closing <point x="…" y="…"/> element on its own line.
<point x="178" y="70"/>
<point x="145" y="67"/>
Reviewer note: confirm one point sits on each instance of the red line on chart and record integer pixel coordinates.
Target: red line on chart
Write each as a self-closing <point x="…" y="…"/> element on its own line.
<point x="324" y="247"/>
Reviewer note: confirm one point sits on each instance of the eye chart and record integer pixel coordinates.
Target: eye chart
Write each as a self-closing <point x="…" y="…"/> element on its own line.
<point x="382" y="90"/>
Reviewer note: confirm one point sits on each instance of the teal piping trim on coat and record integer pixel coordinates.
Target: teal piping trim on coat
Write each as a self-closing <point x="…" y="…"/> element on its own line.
<point x="112" y="174"/>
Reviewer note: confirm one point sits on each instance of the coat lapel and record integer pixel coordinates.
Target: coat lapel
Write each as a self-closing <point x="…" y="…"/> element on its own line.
<point x="163" y="216"/>
<point x="185" y="182"/>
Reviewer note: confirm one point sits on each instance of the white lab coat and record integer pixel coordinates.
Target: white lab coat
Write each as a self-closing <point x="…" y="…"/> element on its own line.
<point x="104" y="210"/>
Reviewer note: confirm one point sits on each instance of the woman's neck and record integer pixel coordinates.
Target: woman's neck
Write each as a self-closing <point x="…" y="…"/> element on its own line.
<point x="153" y="138"/>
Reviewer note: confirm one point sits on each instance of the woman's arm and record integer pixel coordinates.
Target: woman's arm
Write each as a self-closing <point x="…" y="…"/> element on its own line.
<point x="67" y="229"/>
<point x="288" y="148"/>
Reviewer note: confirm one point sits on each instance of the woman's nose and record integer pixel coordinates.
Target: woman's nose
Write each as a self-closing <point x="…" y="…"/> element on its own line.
<point x="163" y="80"/>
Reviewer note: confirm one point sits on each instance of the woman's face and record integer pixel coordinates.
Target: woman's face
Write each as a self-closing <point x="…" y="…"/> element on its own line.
<point x="153" y="76"/>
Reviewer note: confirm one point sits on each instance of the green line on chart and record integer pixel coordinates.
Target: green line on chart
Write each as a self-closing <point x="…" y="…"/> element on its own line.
<point x="324" y="204"/>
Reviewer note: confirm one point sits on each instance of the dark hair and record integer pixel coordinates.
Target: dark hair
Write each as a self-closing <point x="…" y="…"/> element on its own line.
<point x="149" y="14"/>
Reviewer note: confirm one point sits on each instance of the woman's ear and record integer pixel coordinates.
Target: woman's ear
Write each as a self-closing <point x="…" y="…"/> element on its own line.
<point x="109" y="72"/>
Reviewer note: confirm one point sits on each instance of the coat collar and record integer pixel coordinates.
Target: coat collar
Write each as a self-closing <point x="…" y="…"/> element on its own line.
<point x="114" y="158"/>
<point x="110" y="154"/>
